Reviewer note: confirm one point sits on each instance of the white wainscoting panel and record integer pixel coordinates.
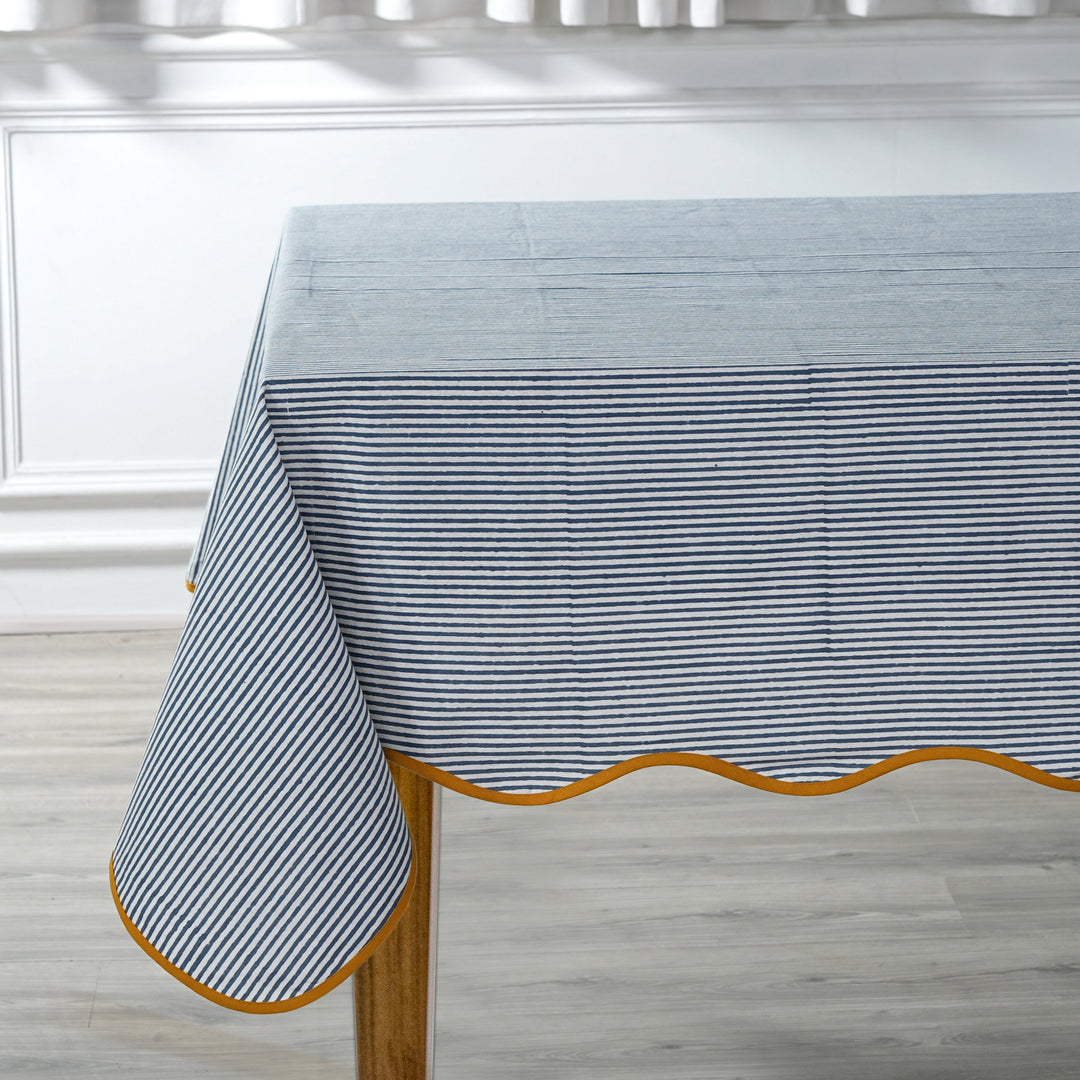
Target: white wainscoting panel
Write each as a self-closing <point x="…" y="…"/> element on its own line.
<point x="139" y="232"/>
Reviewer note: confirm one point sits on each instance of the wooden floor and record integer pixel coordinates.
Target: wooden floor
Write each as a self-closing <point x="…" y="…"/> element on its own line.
<point x="672" y="926"/>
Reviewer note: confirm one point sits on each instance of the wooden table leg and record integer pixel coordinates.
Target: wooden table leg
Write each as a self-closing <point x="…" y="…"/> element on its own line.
<point x="394" y="991"/>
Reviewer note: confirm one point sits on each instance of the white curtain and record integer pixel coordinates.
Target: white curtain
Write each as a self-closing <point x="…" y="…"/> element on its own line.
<point x="208" y="15"/>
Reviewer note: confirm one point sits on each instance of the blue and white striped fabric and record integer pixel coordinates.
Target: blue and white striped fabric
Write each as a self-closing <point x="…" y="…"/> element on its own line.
<point x="523" y="492"/>
<point x="264" y="846"/>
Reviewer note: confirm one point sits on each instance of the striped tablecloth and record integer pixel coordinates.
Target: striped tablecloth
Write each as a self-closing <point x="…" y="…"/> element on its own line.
<point x="528" y="495"/>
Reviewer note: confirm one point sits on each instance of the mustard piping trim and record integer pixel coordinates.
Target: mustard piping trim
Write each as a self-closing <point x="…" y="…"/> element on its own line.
<point x="287" y="1004"/>
<point x="735" y="772"/>
<point x="190" y="586"/>
<point x="579" y="787"/>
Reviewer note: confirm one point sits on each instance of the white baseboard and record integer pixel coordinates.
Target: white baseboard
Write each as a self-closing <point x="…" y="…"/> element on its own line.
<point x="58" y="598"/>
<point x="91" y="624"/>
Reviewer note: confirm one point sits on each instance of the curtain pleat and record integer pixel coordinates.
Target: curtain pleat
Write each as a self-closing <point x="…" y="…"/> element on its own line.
<point x="29" y="16"/>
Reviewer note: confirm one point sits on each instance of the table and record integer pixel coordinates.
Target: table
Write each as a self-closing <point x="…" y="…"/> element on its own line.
<point x="520" y="497"/>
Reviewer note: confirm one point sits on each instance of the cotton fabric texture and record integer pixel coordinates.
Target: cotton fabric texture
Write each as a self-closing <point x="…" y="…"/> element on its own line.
<point x="525" y="495"/>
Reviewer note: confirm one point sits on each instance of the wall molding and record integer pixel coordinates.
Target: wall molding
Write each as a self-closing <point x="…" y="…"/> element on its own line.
<point x="809" y="101"/>
<point x="113" y="484"/>
<point x="91" y="624"/>
<point x="10" y="411"/>
<point x="761" y="104"/>
<point x="1041" y="81"/>
<point x="95" y="547"/>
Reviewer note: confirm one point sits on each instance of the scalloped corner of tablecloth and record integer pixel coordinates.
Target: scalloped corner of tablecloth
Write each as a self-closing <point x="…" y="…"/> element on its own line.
<point x="284" y="1004"/>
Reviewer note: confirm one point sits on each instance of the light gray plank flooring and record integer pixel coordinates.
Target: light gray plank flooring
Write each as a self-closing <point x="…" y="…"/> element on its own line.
<point x="671" y="926"/>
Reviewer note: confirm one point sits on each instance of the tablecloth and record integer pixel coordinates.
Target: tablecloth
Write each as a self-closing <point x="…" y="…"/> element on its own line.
<point x="527" y="495"/>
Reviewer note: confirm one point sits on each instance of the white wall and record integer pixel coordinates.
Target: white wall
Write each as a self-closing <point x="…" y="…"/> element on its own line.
<point x="145" y="187"/>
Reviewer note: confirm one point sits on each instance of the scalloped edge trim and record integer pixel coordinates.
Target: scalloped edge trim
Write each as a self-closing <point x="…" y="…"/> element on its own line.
<point x="716" y="766"/>
<point x="736" y="772"/>
<point x="286" y="1004"/>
